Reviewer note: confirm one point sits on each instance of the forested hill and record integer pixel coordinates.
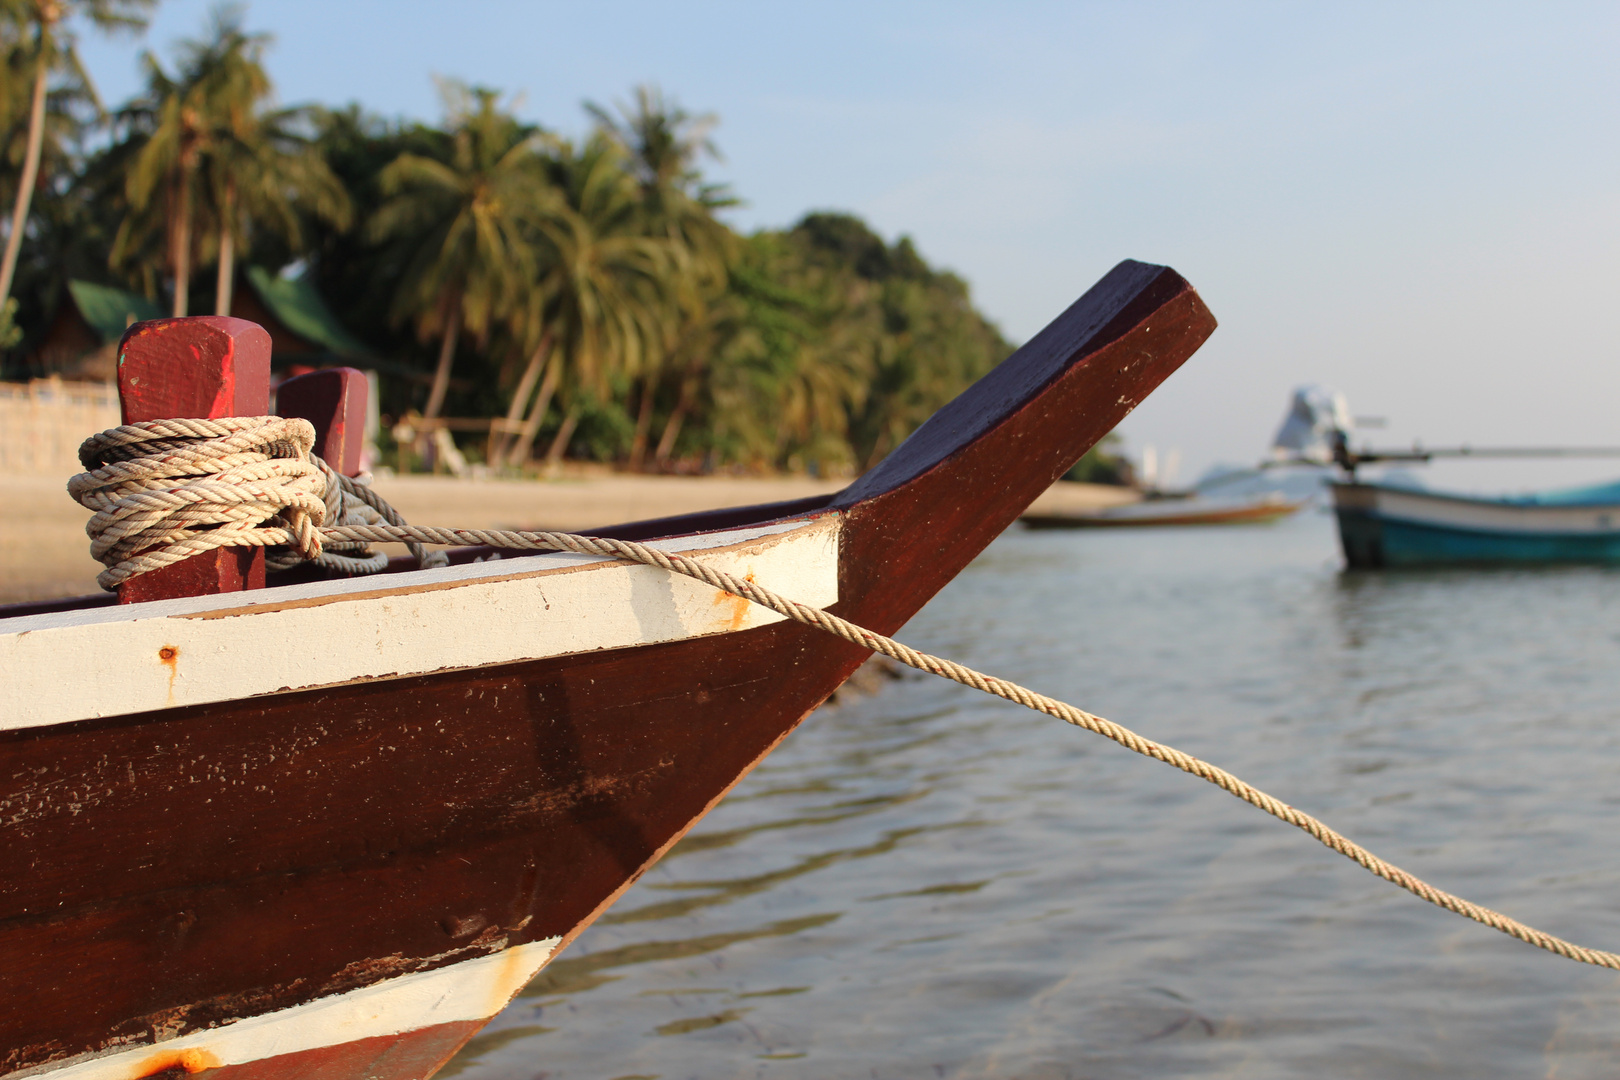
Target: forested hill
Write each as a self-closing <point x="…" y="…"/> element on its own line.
<point x="587" y="294"/>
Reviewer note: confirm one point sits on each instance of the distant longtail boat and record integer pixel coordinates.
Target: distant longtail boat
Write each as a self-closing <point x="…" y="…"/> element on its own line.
<point x="1393" y="525"/>
<point x="1194" y="509"/>
<point x="1384" y="525"/>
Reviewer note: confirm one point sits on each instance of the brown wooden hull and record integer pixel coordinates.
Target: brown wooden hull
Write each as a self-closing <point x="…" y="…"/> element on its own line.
<point x="344" y="835"/>
<point x="176" y="870"/>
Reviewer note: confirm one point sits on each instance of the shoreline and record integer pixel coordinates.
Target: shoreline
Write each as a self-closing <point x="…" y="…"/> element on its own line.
<point x="44" y="553"/>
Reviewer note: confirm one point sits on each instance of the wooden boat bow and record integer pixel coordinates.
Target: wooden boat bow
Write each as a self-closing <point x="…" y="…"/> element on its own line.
<point x="930" y="507"/>
<point x="217" y="881"/>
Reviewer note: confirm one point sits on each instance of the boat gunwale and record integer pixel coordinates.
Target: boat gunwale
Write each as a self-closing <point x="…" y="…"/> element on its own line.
<point x="908" y="526"/>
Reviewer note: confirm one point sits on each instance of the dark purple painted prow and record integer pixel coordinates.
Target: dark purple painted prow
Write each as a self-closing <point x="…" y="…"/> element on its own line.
<point x="918" y="518"/>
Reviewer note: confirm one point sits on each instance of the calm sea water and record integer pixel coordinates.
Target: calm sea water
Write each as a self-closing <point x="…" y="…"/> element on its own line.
<point x="930" y="883"/>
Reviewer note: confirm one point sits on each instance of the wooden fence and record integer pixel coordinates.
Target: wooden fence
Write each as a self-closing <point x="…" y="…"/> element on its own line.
<point x="43" y="422"/>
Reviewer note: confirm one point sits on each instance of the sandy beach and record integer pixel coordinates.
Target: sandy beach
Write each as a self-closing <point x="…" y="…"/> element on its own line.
<point x="44" y="552"/>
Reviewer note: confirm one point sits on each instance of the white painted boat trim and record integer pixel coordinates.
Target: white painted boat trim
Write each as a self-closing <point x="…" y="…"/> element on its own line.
<point x="474" y="989"/>
<point x="112" y="661"/>
<point x="1477" y="515"/>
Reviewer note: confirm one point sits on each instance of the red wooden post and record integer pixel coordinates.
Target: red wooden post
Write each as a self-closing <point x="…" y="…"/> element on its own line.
<point x="206" y="367"/>
<point x="334" y="401"/>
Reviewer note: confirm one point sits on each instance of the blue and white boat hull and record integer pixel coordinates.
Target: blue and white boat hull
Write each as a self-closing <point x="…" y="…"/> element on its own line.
<point x="1389" y="526"/>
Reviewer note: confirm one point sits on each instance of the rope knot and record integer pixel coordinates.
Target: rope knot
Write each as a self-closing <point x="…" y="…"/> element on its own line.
<point x="165" y="490"/>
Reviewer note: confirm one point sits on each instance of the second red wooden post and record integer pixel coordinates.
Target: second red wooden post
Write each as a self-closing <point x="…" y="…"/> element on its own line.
<point x="334" y="402"/>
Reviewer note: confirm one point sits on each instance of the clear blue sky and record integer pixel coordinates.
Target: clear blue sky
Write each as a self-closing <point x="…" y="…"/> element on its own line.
<point x="1417" y="203"/>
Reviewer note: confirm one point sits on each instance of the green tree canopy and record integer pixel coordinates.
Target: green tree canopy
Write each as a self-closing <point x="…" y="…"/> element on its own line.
<point x="461" y="224"/>
<point x="583" y="291"/>
<point x="37" y="46"/>
<point x="662" y="146"/>
<point x="208" y="158"/>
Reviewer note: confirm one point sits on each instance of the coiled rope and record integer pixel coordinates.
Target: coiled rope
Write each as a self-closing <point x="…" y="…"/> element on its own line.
<point x="165" y="490"/>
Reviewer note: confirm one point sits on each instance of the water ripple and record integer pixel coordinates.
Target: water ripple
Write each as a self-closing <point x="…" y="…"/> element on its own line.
<point x="929" y="883"/>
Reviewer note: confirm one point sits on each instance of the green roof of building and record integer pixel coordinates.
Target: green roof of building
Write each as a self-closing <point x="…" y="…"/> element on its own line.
<point x="109" y="311"/>
<point x="300" y="308"/>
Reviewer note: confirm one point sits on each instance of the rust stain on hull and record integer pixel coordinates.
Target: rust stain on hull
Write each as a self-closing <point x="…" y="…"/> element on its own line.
<point x="177" y="1063"/>
<point x="739" y="606"/>
<point x="169" y="657"/>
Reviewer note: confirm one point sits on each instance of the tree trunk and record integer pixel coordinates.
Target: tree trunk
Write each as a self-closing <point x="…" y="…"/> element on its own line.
<point x="559" y="445"/>
<point x="672" y="427"/>
<point x="30" y="173"/>
<point x="226" y="278"/>
<point x="182" y="244"/>
<point x="506" y="444"/>
<point x="638" y="444"/>
<point x="447" y="354"/>
<point x="524" y="450"/>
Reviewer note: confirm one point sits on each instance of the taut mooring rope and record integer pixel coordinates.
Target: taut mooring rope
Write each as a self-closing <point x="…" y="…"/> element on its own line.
<point x="166" y="490"/>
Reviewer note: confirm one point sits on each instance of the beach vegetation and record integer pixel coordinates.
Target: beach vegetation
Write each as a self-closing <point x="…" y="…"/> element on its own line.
<point x="583" y="296"/>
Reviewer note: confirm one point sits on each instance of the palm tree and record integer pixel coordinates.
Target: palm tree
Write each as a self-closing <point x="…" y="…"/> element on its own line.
<point x="662" y="143"/>
<point x="717" y="330"/>
<point x="463" y="225"/>
<point x="217" y="157"/>
<point x="53" y="51"/>
<point x="262" y="170"/>
<point x="506" y="446"/>
<point x="785" y="378"/>
<point x="601" y="282"/>
<point x="169" y="134"/>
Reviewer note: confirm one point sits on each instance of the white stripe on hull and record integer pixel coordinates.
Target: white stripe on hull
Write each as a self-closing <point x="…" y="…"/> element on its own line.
<point x="1476" y="515"/>
<point x="114" y="661"/>
<point x="470" y="990"/>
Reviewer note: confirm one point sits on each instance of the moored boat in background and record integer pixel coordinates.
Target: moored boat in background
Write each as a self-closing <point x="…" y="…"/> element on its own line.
<point x="1388" y="524"/>
<point x="1385" y="525"/>
<point x="1194" y="509"/>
